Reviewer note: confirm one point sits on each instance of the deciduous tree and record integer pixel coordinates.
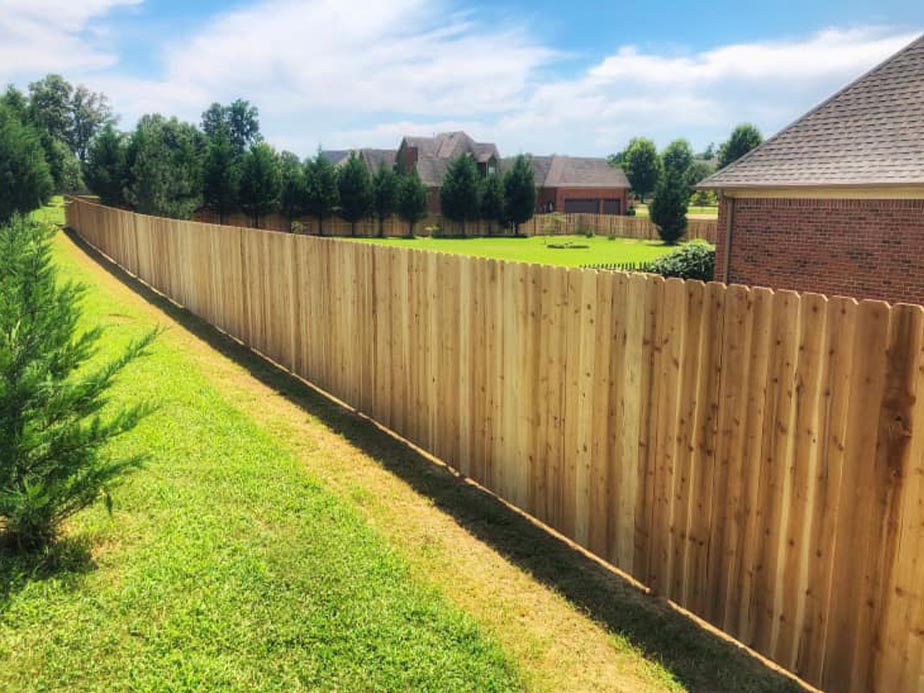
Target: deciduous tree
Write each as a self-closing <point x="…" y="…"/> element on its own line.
<point x="743" y="139"/>
<point x="642" y="166"/>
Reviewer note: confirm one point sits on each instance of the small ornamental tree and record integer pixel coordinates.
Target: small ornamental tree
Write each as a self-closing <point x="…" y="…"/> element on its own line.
<point x="642" y="166"/>
<point x="668" y="209"/>
<point x="322" y="196"/>
<point x="53" y="460"/>
<point x="743" y="139"/>
<point x="677" y="157"/>
<point x="385" y="189"/>
<point x="25" y="180"/>
<point x="355" y="190"/>
<point x="492" y="201"/>
<point x="412" y="200"/>
<point x="520" y="193"/>
<point x="292" y="195"/>
<point x="221" y="176"/>
<point x="459" y="194"/>
<point x="104" y="170"/>
<point x="261" y="182"/>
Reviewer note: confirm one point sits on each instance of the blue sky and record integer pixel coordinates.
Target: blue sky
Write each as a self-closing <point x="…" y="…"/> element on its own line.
<point x="542" y="76"/>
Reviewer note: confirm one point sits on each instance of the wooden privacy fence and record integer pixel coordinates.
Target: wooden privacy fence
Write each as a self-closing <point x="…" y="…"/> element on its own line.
<point x="541" y="224"/>
<point x="755" y="456"/>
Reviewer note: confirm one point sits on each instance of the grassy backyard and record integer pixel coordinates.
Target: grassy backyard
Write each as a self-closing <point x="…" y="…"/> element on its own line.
<point x="693" y="212"/>
<point x="581" y="250"/>
<point x="275" y="541"/>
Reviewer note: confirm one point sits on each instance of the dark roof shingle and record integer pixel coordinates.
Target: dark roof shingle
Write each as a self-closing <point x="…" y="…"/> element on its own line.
<point x="871" y="132"/>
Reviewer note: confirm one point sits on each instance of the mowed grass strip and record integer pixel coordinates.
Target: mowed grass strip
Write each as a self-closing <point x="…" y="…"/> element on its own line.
<point x="582" y="250"/>
<point x="225" y="566"/>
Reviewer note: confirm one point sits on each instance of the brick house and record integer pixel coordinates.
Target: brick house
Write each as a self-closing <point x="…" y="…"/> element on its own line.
<point x="834" y="203"/>
<point x="572" y="184"/>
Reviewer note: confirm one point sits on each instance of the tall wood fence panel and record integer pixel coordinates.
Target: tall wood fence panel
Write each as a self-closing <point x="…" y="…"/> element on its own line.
<point x="755" y="456"/>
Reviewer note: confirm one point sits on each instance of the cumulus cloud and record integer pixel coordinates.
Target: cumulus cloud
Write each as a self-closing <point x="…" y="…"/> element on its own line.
<point x="363" y="72"/>
<point x="40" y="36"/>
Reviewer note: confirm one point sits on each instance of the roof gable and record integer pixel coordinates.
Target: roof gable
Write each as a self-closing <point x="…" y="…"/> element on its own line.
<point x="869" y="133"/>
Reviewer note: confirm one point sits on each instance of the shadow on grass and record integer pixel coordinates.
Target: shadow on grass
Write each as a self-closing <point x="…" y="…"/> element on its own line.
<point x="698" y="659"/>
<point x="67" y="561"/>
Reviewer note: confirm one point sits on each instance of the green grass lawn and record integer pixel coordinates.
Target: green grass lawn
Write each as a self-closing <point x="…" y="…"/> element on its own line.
<point x="713" y="212"/>
<point x="585" y="251"/>
<point x="225" y="566"/>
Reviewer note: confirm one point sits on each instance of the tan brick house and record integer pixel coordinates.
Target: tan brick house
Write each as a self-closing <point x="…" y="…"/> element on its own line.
<point x="834" y="203"/>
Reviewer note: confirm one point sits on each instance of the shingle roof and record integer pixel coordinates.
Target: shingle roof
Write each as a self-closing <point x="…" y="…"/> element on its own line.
<point x="871" y="132"/>
<point x="559" y="171"/>
<point x="435" y="153"/>
<point x="373" y="158"/>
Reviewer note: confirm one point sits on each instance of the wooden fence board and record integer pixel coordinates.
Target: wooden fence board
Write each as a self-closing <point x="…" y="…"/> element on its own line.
<point x="754" y="456"/>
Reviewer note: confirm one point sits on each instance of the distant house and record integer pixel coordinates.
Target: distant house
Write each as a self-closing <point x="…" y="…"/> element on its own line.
<point x="572" y="184"/>
<point x="564" y="183"/>
<point x="431" y="157"/>
<point x="834" y="203"/>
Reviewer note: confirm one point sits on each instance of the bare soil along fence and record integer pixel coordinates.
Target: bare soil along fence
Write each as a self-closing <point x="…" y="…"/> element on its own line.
<point x="754" y="456"/>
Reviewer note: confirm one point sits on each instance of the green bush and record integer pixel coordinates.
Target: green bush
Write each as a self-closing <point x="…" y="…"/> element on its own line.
<point x="695" y="260"/>
<point x="52" y="428"/>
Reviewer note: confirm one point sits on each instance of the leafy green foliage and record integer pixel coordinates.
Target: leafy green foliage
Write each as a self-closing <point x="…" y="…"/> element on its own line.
<point x="50" y="106"/>
<point x="104" y="170"/>
<point x="459" y="192"/>
<point x="16" y="103"/>
<point x="743" y="139"/>
<point x="642" y="166"/>
<point x="90" y="114"/>
<point x="25" y="179"/>
<point x="520" y="192"/>
<point x="668" y="209"/>
<point x="492" y="201"/>
<point x="677" y="158"/>
<point x="67" y="115"/>
<point x="355" y="190"/>
<point x="221" y="173"/>
<point x="385" y="189"/>
<point x="164" y="168"/>
<point x="322" y="194"/>
<point x="261" y="181"/>
<point x="694" y="260"/>
<point x="293" y="192"/>
<point x="52" y="425"/>
<point x="240" y="119"/>
<point x="412" y="200"/>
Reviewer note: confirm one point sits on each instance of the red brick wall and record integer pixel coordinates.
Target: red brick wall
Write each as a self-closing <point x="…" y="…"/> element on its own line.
<point x="860" y="248"/>
<point x="557" y="196"/>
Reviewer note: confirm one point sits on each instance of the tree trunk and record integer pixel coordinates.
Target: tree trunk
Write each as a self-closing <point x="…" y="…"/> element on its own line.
<point x="353" y="229"/>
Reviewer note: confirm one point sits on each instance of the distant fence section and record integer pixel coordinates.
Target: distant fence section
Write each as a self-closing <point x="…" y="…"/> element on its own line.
<point x="754" y="456"/>
<point x="541" y="224"/>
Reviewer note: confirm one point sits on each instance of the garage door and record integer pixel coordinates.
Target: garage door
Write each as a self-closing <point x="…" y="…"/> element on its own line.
<point x="611" y="206"/>
<point x="582" y="206"/>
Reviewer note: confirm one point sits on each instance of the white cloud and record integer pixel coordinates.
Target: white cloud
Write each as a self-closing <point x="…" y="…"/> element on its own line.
<point x="40" y="36"/>
<point x="365" y="72"/>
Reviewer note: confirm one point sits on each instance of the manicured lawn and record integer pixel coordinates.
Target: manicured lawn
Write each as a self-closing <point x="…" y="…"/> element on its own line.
<point x="226" y="565"/>
<point x="586" y="251"/>
<point x="701" y="212"/>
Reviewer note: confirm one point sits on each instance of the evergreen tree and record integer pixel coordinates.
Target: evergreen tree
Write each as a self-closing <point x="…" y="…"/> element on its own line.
<point x="385" y="189"/>
<point x="520" y="193"/>
<point x="355" y="190"/>
<point x="492" y="201"/>
<point x="293" y="192"/>
<point x="459" y="199"/>
<point x="642" y="166"/>
<point x="52" y="431"/>
<point x="743" y="139"/>
<point x="164" y="168"/>
<point x="412" y="200"/>
<point x="221" y="176"/>
<point x="678" y="158"/>
<point x="322" y="195"/>
<point x="668" y="209"/>
<point x="104" y="170"/>
<point x="25" y="180"/>
<point x="261" y="182"/>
